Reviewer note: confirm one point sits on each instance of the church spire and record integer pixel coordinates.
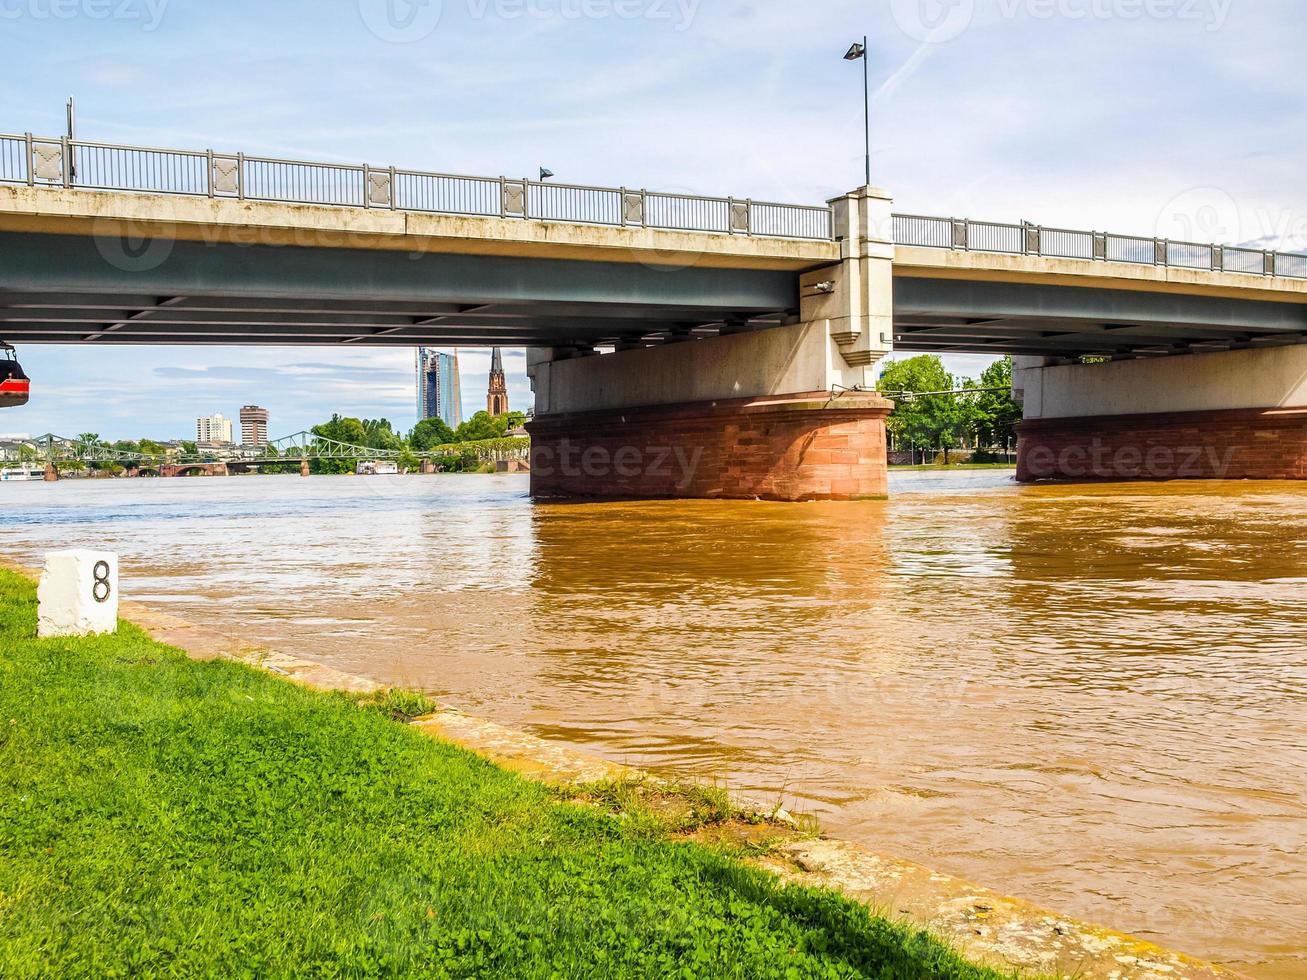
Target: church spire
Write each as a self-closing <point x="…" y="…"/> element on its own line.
<point x="497" y="391"/>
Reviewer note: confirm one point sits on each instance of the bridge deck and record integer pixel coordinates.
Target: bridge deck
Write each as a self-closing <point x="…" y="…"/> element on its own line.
<point x="104" y="267"/>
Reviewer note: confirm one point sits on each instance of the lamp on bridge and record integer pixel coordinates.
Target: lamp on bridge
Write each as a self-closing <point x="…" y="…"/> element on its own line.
<point x="545" y="173"/>
<point x="858" y="52"/>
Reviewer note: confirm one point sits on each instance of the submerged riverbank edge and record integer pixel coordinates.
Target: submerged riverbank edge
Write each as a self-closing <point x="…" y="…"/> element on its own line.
<point x="160" y="816"/>
<point x="983" y="925"/>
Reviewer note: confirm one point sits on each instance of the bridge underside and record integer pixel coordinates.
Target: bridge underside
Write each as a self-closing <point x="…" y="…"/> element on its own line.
<point x="72" y="289"/>
<point x="107" y="290"/>
<point x="977" y="317"/>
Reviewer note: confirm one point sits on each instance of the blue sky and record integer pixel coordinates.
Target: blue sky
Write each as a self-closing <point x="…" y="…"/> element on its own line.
<point x="1180" y="117"/>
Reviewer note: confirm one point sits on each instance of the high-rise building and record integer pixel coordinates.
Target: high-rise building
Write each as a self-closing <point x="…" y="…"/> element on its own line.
<point x="213" y="429"/>
<point x="497" y="391"/>
<point x="439" y="393"/>
<point x="254" y="425"/>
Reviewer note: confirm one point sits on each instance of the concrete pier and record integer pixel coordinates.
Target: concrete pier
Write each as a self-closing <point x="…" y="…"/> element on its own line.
<point x="786" y="413"/>
<point x="1229" y="415"/>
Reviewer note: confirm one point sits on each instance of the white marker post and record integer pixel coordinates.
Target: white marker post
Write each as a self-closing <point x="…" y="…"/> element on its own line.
<point x="78" y="594"/>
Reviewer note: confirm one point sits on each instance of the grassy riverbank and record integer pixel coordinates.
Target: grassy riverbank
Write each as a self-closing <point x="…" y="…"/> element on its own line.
<point x="162" y="816"/>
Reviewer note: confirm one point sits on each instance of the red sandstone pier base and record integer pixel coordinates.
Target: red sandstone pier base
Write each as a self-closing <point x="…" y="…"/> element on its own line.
<point x="1235" y="444"/>
<point x="796" y="447"/>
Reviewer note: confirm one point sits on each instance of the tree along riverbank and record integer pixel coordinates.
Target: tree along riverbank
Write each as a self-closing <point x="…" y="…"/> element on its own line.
<point x="165" y="816"/>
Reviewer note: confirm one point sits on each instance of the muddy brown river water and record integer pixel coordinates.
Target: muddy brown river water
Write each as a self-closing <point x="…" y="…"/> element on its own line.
<point x="1091" y="697"/>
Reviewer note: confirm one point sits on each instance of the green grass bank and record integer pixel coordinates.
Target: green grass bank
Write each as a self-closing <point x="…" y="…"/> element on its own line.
<point x="161" y="816"/>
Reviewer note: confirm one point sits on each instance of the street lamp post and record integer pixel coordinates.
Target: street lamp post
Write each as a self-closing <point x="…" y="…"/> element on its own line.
<point x="858" y="52"/>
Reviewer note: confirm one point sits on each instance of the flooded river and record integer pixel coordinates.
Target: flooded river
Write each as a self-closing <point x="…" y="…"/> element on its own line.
<point x="1092" y="697"/>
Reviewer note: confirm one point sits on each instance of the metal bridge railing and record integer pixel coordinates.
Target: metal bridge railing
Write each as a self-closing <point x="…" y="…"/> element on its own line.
<point x="1027" y="239"/>
<point x="61" y="162"/>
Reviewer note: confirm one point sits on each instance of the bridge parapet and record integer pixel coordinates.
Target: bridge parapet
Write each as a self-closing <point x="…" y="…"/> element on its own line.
<point x="966" y="235"/>
<point x="65" y="163"/>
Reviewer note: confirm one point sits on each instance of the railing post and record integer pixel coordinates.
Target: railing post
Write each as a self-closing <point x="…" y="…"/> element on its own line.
<point x="1268" y="263"/>
<point x="961" y="239"/>
<point x="367" y="186"/>
<point x="240" y="176"/>
<point x="737" y="220"/>
<point x="394" y="197"/>
<point x="208" y="170"/>
<point x="1218" y="258"/>
<point x="1161" y="253"/>
<point x="1100" y="245"/>
<point x="65" y="163"/>
<point x="31" y="162"/>
<point x="1034" y="240"/>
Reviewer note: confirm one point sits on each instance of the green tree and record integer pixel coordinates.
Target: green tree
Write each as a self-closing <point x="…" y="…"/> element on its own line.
<point x="190" y="449"/>
<point x="931" y="420"/>
<point x="996" y="413"/>
<point x="430" y="433"/>
<point x="481" y="426"/>
<point x="379" y="434"/>
<point x="346" y="430"/>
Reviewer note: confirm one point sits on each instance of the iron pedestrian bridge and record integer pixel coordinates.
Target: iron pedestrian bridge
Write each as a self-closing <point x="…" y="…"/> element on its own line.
<point x="51" y="449"/>
<point x="109" y="244"/>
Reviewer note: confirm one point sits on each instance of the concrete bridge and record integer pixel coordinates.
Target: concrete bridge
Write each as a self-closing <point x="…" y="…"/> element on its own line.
<point x="745" y="334"/>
